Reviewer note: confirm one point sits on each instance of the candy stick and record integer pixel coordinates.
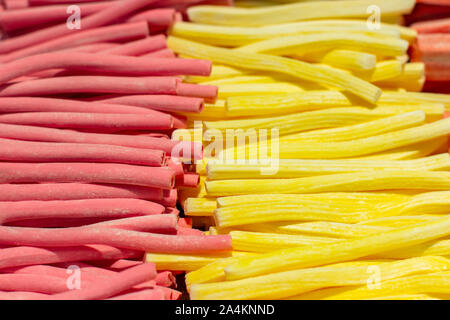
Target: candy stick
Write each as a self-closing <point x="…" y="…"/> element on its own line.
<point x="304" y="168"/>
<point x="158" y="102"/>
<point x="118" y="265"/>
<point x="22" y="256"/>
<point x="182" y="231"/>
<point x="18" y="295"/>
<point x="104" y="17"/>
<point x="31" y="133"/>
<point x="41" y="283"/>
<point x="190" y="180"/>
<point x="111" y="236"/>
<point x="116" y="122"/>
<point x="295" y="68"/>
<point x="75" y="191"/>
<point x="16" y="4"/>
<point x="345" y="182"/>
<point x="112" y="64"/>
<point x="92" y="84"/>
<point x="165" y="279"/>
<point x="148" y="294"/>
<point x="112" y="286"/>
<point x="157" y="177"/>
<point x="163" y="224"/>
<point x="195" y="90"/>
<point x="156" y="18"/>
<point x="92" y="208"/>
<point x="35" y="104"/>
<point x="199" y="207"/>
<point x="163" y="53"/>
<point x="139" y="47"/>
<point x="11" y="20"/>
<point x="293" y="12"/>
<point x="298" y="46"/>
<point x="169" y="198"/>
<point x="13" y="150"/>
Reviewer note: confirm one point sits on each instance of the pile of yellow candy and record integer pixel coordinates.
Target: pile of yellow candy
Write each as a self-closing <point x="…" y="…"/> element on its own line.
<point x="358" y="207"/>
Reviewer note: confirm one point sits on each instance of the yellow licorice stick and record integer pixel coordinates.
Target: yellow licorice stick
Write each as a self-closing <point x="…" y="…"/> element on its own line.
<point x="399" y="221"/>
<point x="305" y="168"/>
<point x="249" y="89"/>
<point x="346" y="250"/>
<point x="344" y="182"/>
<point x="330" y="229"/>
<point x="286" y="103"/>
<point x="289" y="283"/>
<point x="305" y="121"/>
<point x="199" y="206"/>
<point x="295" y="12"/>
<point x="298" y="69"/>
<point x="347" y="59"/>
<point x="179" y="262"/>
<point x="267" y="242"/>
<point x="391" y="97"/>
<point x="298" y="45"/>
<point x="438" y="282"/>
<point x="428" y="203"/>
<point x="414" y="151"/>
<point x="385" y="70"/>
<point x="300" y="210"/>
<point x="231" y="36"/>
<point x="362" y="130"/>
<point x="241" y="80"/>
<point x="365" y="146"/>
<point x="214" y="271"/>
<point x="436" y="247"/>
<point x="411" y="72"/>
<point x="346" y="199"/>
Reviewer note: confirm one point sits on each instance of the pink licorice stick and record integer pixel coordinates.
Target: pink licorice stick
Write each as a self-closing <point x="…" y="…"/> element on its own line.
<point x="31" y="133"/>
<point x="53" y="2"/>
<point x="89" y="208"/>
<point x="91" y="84"/>
<point x="139" y="47"/>
<point x="118" y="265"/>
<point x="163" y="53"/>
<point x="112" y="64"/>
<point x="174" y="211"/>
<point x="196" y="90"/>
<point x="158" y="102"/>
<point x="189" y="180"/>
<point x="75" y="191"/>
<point x="94" y="47"/>
<point x="37" y="104"/>
<point x="26" y="151"/>
<point x="156" y="177"/>
<point x="182" y="231"/>
<point x="12" y="20"/>
<point x="19" y="295"/>
<point x="106" y="288"/>
<point x="32" y="283"/>
<point x="148" y="294"/>
<point x="15" y="4"/>
<point x="162" y="223"/>
<point x="92" y="121"/>
<point x="23" y="256"/>
<point x="162" y="18"/>
<point x="176" y="166"/>
<point x="169" y="198"/>
<point x="133" y="240"/>
<point x="112" y="13"/>
<point x="121" y="32"/>
<point x="165" y="279"/>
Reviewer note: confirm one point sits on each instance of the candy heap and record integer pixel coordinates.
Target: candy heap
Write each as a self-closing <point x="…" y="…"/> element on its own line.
<point x="88" y="176"/>
<point x="358" y="205"/>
